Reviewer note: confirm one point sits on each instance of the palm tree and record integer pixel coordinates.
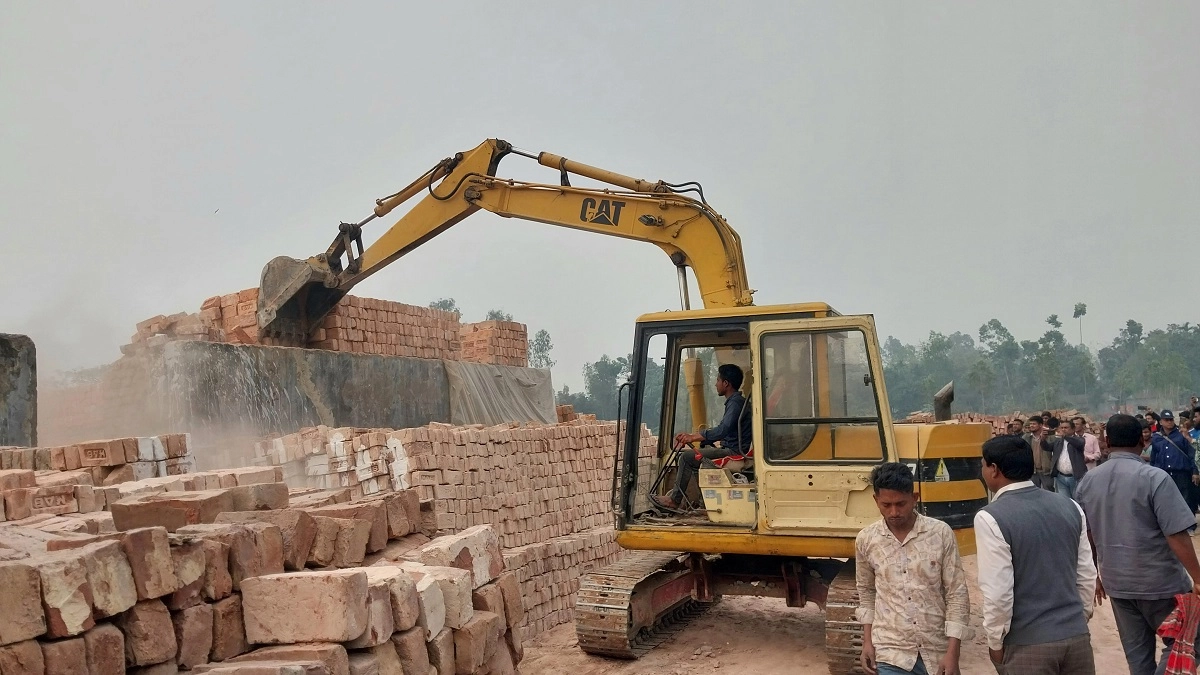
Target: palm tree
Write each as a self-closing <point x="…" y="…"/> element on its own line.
<point x="1080" y="310"/>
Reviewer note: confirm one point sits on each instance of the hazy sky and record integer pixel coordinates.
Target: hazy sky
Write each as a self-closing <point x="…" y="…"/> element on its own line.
<point x="936" y="165"/>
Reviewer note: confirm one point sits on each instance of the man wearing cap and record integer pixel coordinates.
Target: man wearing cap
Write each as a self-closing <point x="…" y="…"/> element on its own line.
<point x="1172" y="453"/>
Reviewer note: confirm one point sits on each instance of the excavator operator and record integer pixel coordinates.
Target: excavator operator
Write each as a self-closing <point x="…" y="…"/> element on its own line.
<point x="733" y="434"/>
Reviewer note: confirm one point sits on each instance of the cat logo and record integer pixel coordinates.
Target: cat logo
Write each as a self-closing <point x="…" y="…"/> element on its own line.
<point x="601" y="212"/>
<point x="942" y="475"/>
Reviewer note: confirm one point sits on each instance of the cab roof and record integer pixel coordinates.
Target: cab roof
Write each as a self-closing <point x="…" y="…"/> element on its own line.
<point x="818" y="309"/>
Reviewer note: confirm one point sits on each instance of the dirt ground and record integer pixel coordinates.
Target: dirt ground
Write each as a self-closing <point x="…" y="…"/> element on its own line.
<point x="761" y="636"/>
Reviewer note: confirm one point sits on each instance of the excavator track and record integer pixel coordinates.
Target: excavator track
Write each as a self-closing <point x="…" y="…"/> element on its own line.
<point x="634" y="605"/>
<point x="843" y="632"/>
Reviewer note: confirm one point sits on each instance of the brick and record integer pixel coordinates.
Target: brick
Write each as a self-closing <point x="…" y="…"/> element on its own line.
<point x="297" y="528"/>
<point x="11" y="479"/>
<point x="244" y="558"/>
<point x="102" y="453"/>
<point x="351" y="545"/>
<point x="149" y="633"/>
<point x="406" y="605"/>
<point x="305" y="607"/>
<point x="488" y="598"/>
<point x="218" y="583"/>
<point x="432" y="605"/>
<point x="332" y="656"/>
<point x="510" y="590"/>
<point x="86" y="499"/>
<point x="176" y="445"/>
<point x="18" y="503"/>
<point x="265" y="668"/>
<point x="57" y="499"/>
<point x="268" y="542"/>
<point x="475" y="641"/>
<point x="456" y="590"/>
<point x="149" y="553"/>
<point x="386" y="659"/>
<point x="65" y="657"/>
<point x="105" y="645"/>
<point x="364" y="663"/>
<point x="22" y="617"/>
<point x="22" y="658"/>
<point x="259" y="497"/>
<point x="373" y="513"/>
<point x="122" y="473"/>
<point x="229" y="629"/>
<point x="500" y="662"/>
<point x="253" y="475"/>
<point x="397" y="515"/>
<point x="475" y="549"/>
<point x="324" y="541"/>
<point x="110" y="577"/>
<point x="66" y="595"/>
<point x="194" y="634"/>
<point x="190" y="564"/>
<point x="380" y="625"/>
<point x="171" y="510"/>
<point x="410" y="647"/>
<point x="441" y="651"/>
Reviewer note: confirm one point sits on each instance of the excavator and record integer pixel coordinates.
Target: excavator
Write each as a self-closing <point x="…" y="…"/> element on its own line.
<point x="777" y="521"/>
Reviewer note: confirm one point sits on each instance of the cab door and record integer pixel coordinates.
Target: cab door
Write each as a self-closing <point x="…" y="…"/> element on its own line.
<point x="821" y="423"/>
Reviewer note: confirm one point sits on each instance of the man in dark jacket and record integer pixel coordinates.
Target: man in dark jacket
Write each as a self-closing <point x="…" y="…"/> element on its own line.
<point x="1171" y="452"/>
<point x="1036" y="437"/>
<point x="1067" y="463"/>
<point x="733" y="433"/>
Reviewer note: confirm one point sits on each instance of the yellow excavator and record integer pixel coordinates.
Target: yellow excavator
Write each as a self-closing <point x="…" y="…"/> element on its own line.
<point x="779" y="521"/>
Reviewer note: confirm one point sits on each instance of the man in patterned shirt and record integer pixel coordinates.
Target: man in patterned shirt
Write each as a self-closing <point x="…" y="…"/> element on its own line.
<point x="912" y="592"/>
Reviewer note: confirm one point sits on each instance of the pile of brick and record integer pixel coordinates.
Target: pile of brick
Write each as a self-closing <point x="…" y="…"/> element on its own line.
<point x="216" y="598"/>
<point x="549" y="574"/>
<point x="503" y="343"/>
<point x="362" y="460"/>
<point x="532" y="482"/>
<point x="565" y="413"/>
<point x="356" y="324"/>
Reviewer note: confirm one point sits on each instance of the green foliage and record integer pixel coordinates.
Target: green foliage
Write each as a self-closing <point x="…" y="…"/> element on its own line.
<point x="539" y="350"/>
<point x="1080" y="311"/>
<point x="498" y="315"/>
<point x="446" y="305"/>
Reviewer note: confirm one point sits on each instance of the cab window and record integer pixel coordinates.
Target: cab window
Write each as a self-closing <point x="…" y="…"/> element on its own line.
<point x="818" y="398"/>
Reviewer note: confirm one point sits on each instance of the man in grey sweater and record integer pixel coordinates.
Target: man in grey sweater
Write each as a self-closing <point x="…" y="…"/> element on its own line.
<point x="1035" y="570"/>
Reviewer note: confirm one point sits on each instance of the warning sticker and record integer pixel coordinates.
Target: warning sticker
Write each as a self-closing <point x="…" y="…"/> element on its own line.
<point x="942" y="475"/>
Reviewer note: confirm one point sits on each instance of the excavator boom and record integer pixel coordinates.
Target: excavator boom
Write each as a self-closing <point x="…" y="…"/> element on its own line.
<point x="295" y="294"/>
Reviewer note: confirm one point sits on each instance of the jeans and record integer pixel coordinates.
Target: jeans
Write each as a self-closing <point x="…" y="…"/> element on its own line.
<point x="1137" y="624"/>
<point x="887" y="669"/>
<point x="689" y="465"/>
<point x="1065" y="485"/>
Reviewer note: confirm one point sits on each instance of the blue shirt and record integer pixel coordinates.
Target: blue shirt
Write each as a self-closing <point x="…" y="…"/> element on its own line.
<point x="1167" y="447"/>
<point x="732" y="423"/>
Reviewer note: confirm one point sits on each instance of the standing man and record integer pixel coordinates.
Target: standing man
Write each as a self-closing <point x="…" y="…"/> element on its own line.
<point x="1091" y="444"/>
<point x="1138" y="522"/>
<point x="912" y="592"/>
<point x="1067" y="460"/>
<point x="1035" y="570"/>
<point x="733" y="433"/>
<point x="1015" y="427"/>
<point x="1172" y="453"/>
<point x="1036" y="438"/>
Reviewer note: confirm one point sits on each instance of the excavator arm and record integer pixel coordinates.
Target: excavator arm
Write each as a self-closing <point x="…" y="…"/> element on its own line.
<point x="295" y="295"/>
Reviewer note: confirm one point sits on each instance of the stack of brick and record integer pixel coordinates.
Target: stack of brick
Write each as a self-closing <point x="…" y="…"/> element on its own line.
<point x="565" y="413"/>
<point x="374" y="326"/>
<point x="531" y="482"/>
<point x="504" y="343"/>
<point x="111" y="461"/>
<point x="549" y="573"/>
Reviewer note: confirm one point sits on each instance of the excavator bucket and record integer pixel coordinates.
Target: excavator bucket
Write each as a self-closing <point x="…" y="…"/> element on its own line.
<point x="293" y="297"/>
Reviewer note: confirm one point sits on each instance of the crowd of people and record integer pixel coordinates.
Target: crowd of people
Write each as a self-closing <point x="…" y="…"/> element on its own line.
<point x="1045" y="562"/>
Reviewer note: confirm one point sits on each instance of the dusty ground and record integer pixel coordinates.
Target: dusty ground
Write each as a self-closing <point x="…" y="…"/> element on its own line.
<point x="759" y="636"/>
